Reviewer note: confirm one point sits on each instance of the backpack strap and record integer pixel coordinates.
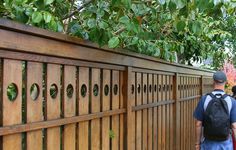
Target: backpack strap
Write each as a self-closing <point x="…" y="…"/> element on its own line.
<point x="224" y="104"/>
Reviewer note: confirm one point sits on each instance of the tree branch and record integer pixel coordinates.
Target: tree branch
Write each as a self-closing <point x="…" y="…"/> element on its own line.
<point x="76" y="11"/>
<point x="120" y="31"/>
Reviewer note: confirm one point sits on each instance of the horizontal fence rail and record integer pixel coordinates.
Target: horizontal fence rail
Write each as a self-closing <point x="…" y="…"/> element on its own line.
<point x="58" y="92"/>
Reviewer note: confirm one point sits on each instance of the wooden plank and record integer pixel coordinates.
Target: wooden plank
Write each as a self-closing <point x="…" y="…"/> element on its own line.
<point x="130" y="100"/>
<point x="70" y="50"/>
<point x="12" y="73"/>
<point x="138" y="113"/>
<point x="167" y="113"/>
<point x="13" y="129"/>
<point x="176" y="111"/>
<point x="155" y="126"/>
<point x="122" y="130"/>
<point x="106" y="97"/>
<point x="55" y="60"/>
<point x="53" y="105"/>
<point x="145" y="106"/>
<point x="69" y="103"/>
<point x="172" y="135"/>
<point x="150" y="112"/>
<point x="163" y="113"/>
<point x="181" y="115"/>
<point x="34" y="103"/>
<point x="145" y="115"/>
<point x="83" y="132"/>
<point x="115" y="106"/>
<point x="95" y="107"/>
<point x="159" y="113"/>
<point x="1" y="101"/>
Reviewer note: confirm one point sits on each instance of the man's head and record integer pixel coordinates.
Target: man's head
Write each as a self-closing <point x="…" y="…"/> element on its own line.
<point x="219" y="78"/>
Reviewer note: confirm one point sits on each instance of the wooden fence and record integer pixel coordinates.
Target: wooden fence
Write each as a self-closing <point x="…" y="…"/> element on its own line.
<point x="58" y="92"/>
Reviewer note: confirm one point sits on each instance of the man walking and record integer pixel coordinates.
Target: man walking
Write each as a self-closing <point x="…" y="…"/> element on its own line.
<point x="216" y="113"/>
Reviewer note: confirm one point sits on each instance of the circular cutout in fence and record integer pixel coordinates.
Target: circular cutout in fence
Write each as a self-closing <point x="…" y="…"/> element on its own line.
<point x="139" y="88"/>
<point x="69" y="91"/>
<point x="150" y="88"/>
<point x="95" y="90"/>
<point x="12" y="92"/>
<point x="53" y="91"/>
<point x="106" y="90"/>
<point x="34" y="91"/>
<point x="132" y="89"/>
<point x="83" y="90"/>
<point x="159" y="88"/>
<point x="115" y="89"/>
<point x="155" y="87"/>
<point x="145" y="88"/>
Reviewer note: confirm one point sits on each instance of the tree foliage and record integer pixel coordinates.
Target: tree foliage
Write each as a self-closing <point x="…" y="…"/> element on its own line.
<point x="174" y="30"/>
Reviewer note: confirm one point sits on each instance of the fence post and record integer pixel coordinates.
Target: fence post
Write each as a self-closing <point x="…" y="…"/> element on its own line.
<point x="202" y="86"/>
<point x="176" y="112"/>
<point x="1" y="108"/>
<point x="129" y="115"/>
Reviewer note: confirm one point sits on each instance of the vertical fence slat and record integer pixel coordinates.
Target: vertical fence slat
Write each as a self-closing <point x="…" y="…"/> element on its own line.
<point x="95" y="107"/>
<point x="163" y="98"/>
<point x="150" y="112"/>
<point x="167" y="113"/>
<point x="106" y="82"/>
<point x="115" y="106"/>
<point x="83" y="132"/>
<point x="144" y="119"/>
<point x="69" y="106"/>
<point x="12" y="73"/>
<point x="131" y="122"/>
<point x="155" y="127"/>
<point x="34" y="106"/>
<point x="159" y="112"/>
<point x="172" y="119"/>
<point x="53" y="105"/>
<point x="121" y="91"/>
<point x="138" y="113"/>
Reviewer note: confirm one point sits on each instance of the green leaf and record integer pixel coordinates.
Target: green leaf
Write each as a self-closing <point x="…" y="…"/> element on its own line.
<point x="47" y="17"/>
<point x="172" y="6"/>
<point x="180" y="25"/>
<point x="113" y="42"/>
<point x="53" y="25"/>
<point x="196" y="27"/>
<point x="47" y="2"/>
<point x="124" y="20"/>
<point x="91" y="23"/>
<point x="180" y="3"/>
<point x="127" y="3"/>
<point x="37" y="17"/>
<point x="103" y="25"/>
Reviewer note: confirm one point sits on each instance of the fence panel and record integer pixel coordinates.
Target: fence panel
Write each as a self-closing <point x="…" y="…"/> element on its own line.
<point x="73" y="95"/>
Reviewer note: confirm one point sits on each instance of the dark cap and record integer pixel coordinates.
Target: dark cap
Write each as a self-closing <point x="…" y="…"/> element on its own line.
<point x="219" y="76"/>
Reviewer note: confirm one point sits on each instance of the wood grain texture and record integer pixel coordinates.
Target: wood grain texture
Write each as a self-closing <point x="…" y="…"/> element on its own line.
<point x="53" y="106"/>
<point x="150" y="112"/>
<point x="83" y="127"/>
<point x="115" y="105"/>
<point x="69" y="105"/>
<point x="106" y="99"/>
<point x="155" y="114"/>
<point x="95" y="107"/>
<point x="144" y="113"/>
<point x="34" y="107"/>
<point x="12" y="73"/>
<point x="138" y="113"/>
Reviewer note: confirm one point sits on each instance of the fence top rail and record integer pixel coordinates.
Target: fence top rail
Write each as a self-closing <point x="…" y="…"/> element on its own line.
<point x="135" y="58"/>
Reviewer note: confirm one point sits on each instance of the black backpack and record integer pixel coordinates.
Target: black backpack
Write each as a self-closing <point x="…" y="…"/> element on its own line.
<point x="216" y="118"/>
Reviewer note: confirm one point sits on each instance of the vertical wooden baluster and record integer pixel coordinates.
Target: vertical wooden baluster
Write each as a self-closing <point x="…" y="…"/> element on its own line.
<point x="115" y="106"/>
<point x="53" y="106"/>
<point x="155" y="121"/>
<point x="138" y="113"/>
<point x="159" y="88"/>
<point x="34" y="106"/>
<point x="144" y="119"/>
<point x="150" y="112"/>
<point x="121" y="91"/>
<point x="95" y="107"/>
<point x="12" y="73"/>
<point x="83" y="127"/>
<point x="106" y="82"/>
<point x="69" y="102"/>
